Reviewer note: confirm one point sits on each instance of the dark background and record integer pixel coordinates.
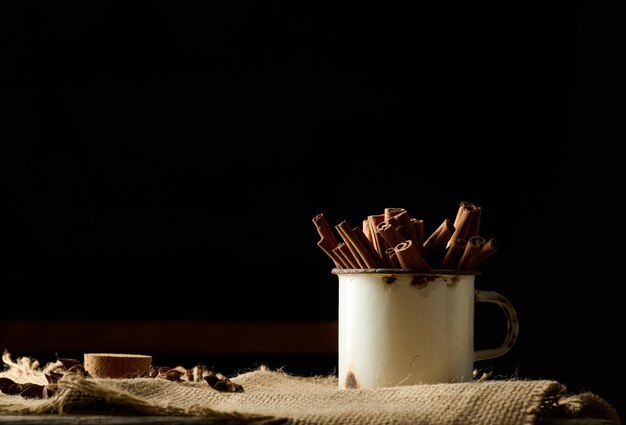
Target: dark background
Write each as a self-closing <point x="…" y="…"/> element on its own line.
<point x="164" y="160"/>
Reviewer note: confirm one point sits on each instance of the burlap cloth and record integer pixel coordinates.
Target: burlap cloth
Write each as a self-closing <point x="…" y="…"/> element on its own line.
<point x="271" y="397"/>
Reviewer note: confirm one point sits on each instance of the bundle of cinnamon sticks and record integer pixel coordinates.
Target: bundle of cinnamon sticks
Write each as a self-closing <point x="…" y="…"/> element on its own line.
<point x="394" y="239"/>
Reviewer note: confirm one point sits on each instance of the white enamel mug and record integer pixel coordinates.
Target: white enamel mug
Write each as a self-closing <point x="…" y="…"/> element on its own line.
<point x="402" y="327"/>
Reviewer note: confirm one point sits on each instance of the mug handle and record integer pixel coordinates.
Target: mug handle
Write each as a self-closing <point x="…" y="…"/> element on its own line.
<point x="512" y="324"/>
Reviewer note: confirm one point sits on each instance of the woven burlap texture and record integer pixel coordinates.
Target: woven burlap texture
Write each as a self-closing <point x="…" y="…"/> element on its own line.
<point x="277" y="397"/>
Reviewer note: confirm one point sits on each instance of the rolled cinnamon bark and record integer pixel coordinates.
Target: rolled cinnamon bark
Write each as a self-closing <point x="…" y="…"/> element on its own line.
<point x="418" y="225"/>
<point x="463" y="221"/>
<point x="324" y="229"/>
<point x="381" y="243"/>
<point x="453" y="254"/>
<point x="435" y="246"/>
<point x="389" y="233"/>
<point x="374" y="260"/>
<point x="361" y="247"/>
<point x="386" y="261"/>
<point x="329" y="250"/>
<point x="472" y="249"/>
<point x="409" y="257"/>
<point x="390" y="212"/>
<point x="328" y="242"/>
<point x="487" y="250"/>
<point x="344" y="251"/>
<point x="393" y="258"/>
<point x="403" y="224"/>
<point x="349" y="244"/>
<point x="367" y="231"/>
<point x="377" y="240"/>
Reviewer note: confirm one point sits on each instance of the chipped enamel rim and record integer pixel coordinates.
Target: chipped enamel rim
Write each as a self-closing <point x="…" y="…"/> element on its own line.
<point x="433" y="272"/>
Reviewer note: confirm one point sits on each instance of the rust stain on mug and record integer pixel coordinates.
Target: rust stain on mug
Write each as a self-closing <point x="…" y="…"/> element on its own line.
<point x="389" y="279"/>
<point x="451" y="282"/>
<point x="351" y="381"/>
<point x="421" y="280"/>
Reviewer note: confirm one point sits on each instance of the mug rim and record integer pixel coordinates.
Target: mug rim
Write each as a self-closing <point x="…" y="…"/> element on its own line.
<point x="433" y="272"/>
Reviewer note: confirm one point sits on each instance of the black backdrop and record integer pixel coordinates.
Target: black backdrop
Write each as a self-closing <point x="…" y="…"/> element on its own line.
<point x="166" y="159"/>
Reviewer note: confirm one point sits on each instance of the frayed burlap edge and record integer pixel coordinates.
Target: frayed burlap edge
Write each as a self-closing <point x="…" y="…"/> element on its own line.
<point x="554" y="402"/>
<point x="74" y="393"/>
<point x="587" y="404"/>
<point x="83" y="386"/>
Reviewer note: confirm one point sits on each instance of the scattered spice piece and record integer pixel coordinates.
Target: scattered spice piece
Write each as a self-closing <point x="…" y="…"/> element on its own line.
<point x="4" y="385"/>
<point x="68" y="363"/>
<point x="63" y="367"/>
<point x="221" y="383"/>
<point x="172" y="375"/>
<point x="158" y="371"/>
<point x="198" y="373"/>
<point x="30" y="390"/>
<point x="79" y="369"/>
<point x="53" y="377"/>
<point x="27" y="390"/>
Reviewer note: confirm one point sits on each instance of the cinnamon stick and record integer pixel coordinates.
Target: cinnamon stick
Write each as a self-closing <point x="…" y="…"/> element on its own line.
<point x="372" y="254"/>
<point x="386" y="261"/>
<point x="367" y="231"/>
<point x="395" y="239"/>
<point x="403" y="224"/>
<point x="360" y="246"/>
<point x="389" y="233"/>
<point x="472" y="249"/>
<point x="328" y="242"/>
<point x="324" y="229"/>
<point x="327" y="247"/>
<point x="344" y="251"/>
<point x="418" y="225"/>
<point x="346" y="240"/>
<point x="390" y="212"/>
<point x="409" y="257"/>
<point x="463" y="221"/>
<point x="393" y="258"/>
<point x="435" y="246"/>
<point x="487" y="250"/>
<point x="377" y="240"/>
<point x="454" y="253"/>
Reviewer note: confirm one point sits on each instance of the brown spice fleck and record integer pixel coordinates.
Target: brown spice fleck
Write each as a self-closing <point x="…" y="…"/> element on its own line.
<point x="173" y="375"/>
<point x="5" y="383"/>
<point x="79" y="369"/>
<point x="68" y="363"/>
<point x="222" y="384"/>
<point x="53" y="377"/>
<point x="27" y="390"/>
<point x="14" y="389"/>
<point x="32" y="391"/>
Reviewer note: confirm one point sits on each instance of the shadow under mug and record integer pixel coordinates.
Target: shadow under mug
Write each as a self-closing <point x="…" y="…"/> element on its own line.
<point x="403" y="327"/>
